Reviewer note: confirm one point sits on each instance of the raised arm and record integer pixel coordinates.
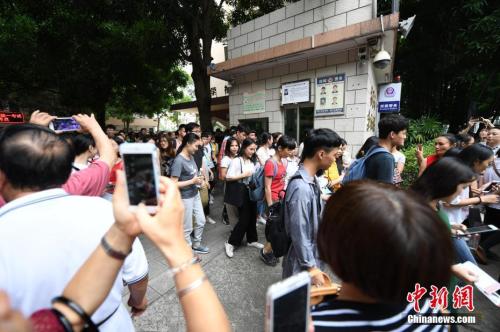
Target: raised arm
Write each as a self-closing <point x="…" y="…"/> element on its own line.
<point x="201" y="306"/>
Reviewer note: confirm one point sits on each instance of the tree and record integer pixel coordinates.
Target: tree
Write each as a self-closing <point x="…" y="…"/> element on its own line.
<point x="197" y="24"/>
<point x="78" y="56"/>
<point x="449" y="64"/>
<point x="247" y="10"/>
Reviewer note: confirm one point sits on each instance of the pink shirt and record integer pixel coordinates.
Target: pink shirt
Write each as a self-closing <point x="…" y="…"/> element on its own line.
<point x="91" y="181"/>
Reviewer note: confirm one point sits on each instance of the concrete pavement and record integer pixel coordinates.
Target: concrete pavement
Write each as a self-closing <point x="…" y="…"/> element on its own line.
<point x="241" y="284"/>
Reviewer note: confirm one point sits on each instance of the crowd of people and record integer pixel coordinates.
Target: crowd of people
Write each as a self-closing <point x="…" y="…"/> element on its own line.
<point x="59" y="230"/>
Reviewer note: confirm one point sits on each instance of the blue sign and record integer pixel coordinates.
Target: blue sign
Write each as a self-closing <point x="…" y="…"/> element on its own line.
<point x="388" y="106"/>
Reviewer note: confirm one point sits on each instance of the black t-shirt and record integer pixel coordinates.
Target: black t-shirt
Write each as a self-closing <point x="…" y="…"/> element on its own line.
<point x="380" y="167"/>
<point x="198" y="157"/>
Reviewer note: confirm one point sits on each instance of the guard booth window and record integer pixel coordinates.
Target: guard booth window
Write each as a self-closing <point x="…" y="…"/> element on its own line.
<point x="260" y="125"/>
<point x="299" y="118"/>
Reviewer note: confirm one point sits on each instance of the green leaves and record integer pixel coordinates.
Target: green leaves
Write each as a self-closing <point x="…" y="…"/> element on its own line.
<point x="423" y="129"/>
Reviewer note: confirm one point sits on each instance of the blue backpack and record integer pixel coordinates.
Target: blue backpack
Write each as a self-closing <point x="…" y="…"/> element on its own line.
<point x="256" y="186"/>
<point x="357" y="170"/>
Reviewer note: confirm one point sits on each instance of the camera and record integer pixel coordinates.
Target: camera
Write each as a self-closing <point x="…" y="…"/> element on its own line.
<point x="382" y="59"/>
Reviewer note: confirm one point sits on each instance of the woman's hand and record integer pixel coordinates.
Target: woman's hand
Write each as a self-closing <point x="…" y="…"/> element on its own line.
<point x="41" y="118"/>
<point x="464" y="273"/>
<point x="458" y="229"/>
<point x="11" y="320"/>
<point x="419" y="153"/>
<point x="490" y="199"/>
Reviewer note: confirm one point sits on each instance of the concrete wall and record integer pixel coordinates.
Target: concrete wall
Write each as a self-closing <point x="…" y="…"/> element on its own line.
<point x="352" y="125"/>
<point x="295" y="21"/>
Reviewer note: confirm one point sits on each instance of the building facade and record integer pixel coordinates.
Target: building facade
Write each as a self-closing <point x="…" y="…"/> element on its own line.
<point x="309" y="65"/>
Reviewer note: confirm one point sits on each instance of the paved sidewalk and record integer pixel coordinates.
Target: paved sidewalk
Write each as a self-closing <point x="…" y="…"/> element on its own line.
<point x="241" y="284"/>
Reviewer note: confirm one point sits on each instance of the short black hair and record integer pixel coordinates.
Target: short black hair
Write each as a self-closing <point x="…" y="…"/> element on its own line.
<point x="264" y="138"/>
<point x="441" y="179"/>
<point x="206" y="134"/>
<point x="181" y="126"/>
<point x="190" y="127"/>
<point x="286" y="142"/>
<point x="320" y="139"/>
<point x="110" y="126"/>
<point x="475" y="153"/>
<point x="378" y="252"/>
<point x="34" y="157"/>
<point x="242" y="129"/>
<point x="81" y="143"/>
<point x="391" y="122"/>
<point x="450" y="137"/>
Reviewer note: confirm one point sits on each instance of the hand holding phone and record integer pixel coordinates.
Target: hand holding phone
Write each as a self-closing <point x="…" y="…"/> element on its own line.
<point x="287" y="306"/>
<point x="142" y="174"/>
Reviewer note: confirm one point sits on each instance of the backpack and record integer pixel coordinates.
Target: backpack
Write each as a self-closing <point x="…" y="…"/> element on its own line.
<point x="357" y="170"/>
<point x="256" y="186"/>
<point x="275" y="226"/>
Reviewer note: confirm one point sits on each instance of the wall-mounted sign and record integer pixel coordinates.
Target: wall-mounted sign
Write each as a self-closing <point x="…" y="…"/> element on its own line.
<point x="389" y="97"/>
<point x="11" y="117"/>
<point x="254" y="102"/>
<point x="295" y="92"/>
<point x="329" y="95"/>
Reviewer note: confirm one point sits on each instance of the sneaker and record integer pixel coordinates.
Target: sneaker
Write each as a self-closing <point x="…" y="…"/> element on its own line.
<point x="261" y="220"/>
<point x="210" y="220"/>
<point x="268" y="259"/>
<point x="201" y="249"/>
<point x="255" y="245"/>
<point x="229" y="250"/>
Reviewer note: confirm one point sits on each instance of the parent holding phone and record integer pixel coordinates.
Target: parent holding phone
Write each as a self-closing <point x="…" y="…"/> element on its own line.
<point x="237" y="178"/>
<point x="184" y="172"/>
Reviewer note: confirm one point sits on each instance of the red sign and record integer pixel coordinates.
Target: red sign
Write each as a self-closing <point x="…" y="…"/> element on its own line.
<point x="11" y="117"/>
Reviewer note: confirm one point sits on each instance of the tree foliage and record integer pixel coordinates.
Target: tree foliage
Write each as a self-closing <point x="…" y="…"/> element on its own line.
<point x="72" y="56"/>
<point x="449" y="63"/>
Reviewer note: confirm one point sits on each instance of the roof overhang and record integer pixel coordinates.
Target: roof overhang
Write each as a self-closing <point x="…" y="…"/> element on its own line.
<point x="325" y="43"/>
<point x="218" y="106"/>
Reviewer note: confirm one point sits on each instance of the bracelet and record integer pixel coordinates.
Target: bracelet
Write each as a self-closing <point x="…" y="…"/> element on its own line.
<point x="174" y="270"/>
<point x="191" y="287"/>
<point x="88" y="324"/>
<point x="112" y="252"/>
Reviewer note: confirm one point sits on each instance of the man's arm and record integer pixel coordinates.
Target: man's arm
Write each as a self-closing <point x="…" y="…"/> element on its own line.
<point x="106" y="152"/>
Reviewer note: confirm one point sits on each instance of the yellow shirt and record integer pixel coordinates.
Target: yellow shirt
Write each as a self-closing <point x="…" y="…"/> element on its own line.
<point x="333" y="174"/>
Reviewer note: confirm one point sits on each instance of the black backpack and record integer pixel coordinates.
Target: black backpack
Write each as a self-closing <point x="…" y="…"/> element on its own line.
<point x="275" y="226"/>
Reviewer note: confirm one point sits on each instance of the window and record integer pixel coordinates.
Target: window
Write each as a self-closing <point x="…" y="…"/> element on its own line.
<point x="260" y="125"/>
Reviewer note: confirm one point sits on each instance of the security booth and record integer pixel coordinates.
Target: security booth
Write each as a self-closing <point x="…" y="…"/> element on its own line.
<point x="311" y="64"/>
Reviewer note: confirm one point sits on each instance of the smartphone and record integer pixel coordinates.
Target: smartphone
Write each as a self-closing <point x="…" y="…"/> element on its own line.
<point x="64" y="124"/>
<point x="287" y="304"/>
<point x="490" y="187"/>
<point x="485" y="283"/>
<point x="480" y="229"/>
<point x="142" y="174"/>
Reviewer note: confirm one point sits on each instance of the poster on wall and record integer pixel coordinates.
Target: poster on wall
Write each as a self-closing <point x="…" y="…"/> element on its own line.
<point x="329" y="95"/>
<point x="295" y="92"/>
<point x="389" y="98"/>
<point x="254" y="102"/>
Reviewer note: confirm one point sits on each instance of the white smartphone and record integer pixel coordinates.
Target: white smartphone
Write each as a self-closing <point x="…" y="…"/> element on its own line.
<point x="64" y="124"/>
<point x="142" y="174"/>
<point x="287" y="304"/>
<point x="485" y="283"/>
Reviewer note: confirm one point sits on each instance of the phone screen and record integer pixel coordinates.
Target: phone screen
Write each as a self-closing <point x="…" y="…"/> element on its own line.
<point x="290" y="311"/>
<point x="479" y="229"/>
<point x="140" y="179"/>
<point x="65" y="124"/>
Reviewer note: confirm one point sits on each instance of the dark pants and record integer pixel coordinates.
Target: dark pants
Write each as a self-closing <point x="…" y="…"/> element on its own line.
<point x="247" y="223"/>
<point x="491" y="239"/>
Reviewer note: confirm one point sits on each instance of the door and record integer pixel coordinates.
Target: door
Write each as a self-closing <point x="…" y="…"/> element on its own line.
<point x="298" y="120"/>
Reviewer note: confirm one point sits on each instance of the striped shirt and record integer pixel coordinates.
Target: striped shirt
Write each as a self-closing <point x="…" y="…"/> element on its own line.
<point x="339" y="315"/>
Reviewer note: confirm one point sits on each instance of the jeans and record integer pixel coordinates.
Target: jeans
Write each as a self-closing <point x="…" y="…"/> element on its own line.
<point x="247" y="223"/>
<point x="193" y="208"/>
<point x="462" y="251"/>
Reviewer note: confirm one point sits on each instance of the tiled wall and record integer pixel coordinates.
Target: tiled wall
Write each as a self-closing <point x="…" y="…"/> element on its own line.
<point x="352" y="125"/>
<point x="295" y="21"/>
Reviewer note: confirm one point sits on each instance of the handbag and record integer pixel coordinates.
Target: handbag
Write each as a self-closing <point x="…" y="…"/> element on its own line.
<point x="318" y="293"/>
<point x="204" y="196"/>
<point x="235" y="192"/>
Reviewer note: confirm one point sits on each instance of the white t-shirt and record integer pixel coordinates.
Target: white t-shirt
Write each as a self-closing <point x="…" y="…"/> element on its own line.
<point x="45" y="238"/>
<point x="264" y="153"/>
<point x="236" y="168"/>
<point x="399" y="157"/>
<point x="224" y="163"/>
<point x="457" y="214"/>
